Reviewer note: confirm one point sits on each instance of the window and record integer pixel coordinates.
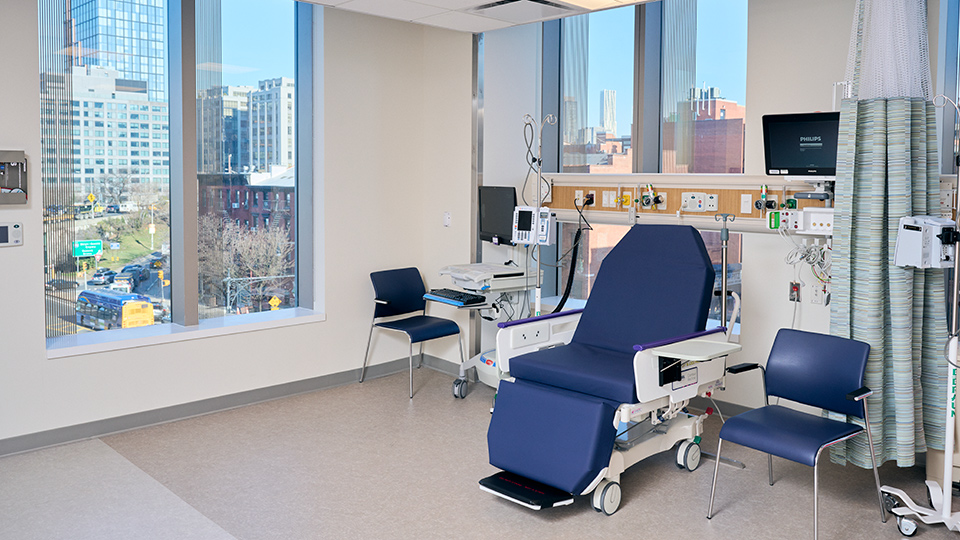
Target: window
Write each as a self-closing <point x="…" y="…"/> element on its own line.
<point x="703" y="85"/>
<point x="246" y="269"/>
<point x="596" y="98"/>
<point x="122" y="73"/>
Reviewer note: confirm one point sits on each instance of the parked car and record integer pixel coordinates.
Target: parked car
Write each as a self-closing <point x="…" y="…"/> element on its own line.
<point x="113" y="208"/>
<point x="60" y="284"/>
<point x="103" y="276"/>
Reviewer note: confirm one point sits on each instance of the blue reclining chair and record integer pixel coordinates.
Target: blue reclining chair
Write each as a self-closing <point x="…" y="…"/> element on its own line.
<point x="554" y="429"/>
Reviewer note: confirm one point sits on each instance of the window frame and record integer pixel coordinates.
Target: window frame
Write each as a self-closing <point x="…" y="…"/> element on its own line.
<point x="184" y="266"/>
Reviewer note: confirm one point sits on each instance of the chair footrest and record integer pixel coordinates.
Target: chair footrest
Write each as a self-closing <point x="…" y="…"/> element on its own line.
<point x="524" y="491"/>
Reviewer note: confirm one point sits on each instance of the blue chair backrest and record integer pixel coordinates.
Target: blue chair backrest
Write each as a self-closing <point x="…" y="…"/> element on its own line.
<point x="403" y="290"/>
<point x="656" y="283"/>
<point x="817" y="370"/>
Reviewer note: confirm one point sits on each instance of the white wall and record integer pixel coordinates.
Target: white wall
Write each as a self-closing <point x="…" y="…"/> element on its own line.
<point x="394" y="91"/>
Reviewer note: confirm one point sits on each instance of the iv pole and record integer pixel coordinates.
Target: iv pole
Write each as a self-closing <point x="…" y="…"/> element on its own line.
<point x="538" y="162"/>
<point x="941" y="496"/>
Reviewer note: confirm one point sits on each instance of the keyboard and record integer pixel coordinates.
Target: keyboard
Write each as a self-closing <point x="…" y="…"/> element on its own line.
<point x="455" y="298"/>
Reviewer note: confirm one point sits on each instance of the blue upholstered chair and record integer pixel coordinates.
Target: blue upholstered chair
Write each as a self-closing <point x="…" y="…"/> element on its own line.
<point x="400" y="292"/>
<point x="817" y="370"/>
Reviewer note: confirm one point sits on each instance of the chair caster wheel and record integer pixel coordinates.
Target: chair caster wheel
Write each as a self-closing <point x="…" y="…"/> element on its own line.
<point x="688" y="455"/>
<point x="907" y="526"/>
<point x="606" y="497"/>
<point x="460" y="388"/>
<point x="890" y="502"/>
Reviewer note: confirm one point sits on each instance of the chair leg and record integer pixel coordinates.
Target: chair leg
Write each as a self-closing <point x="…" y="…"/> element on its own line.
<point x="363" y="369"/>
<point x="770" y="468"/>
<point x="816" y="494"/>
<point x="420" y="362"/>
<point x="411" y="370"/>
<point x="873" y="460"/>
<point x="713" y="490"/>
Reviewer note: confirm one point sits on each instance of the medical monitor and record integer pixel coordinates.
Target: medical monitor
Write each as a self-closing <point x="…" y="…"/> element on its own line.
<point x="801" y="144"/>
<point x="496" y="213"/>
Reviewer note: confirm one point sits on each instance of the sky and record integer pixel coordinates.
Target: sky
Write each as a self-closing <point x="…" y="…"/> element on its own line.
<point x="721" y="55"/>
<point x="258" y="40"/>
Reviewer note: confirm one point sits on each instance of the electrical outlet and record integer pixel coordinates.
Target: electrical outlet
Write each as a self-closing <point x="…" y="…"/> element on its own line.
<point x="794" y="291"/>
<point x="591" y="198"/>
<point x="609" y="199"/>
<point x="746" y="203"/>
<point x="530" y="334"/>
<point x="578" y="197"/>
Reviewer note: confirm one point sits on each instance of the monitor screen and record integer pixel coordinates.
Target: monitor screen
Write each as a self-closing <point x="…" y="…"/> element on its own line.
<point x="524" y="220"/>
<point x="496" y="213"/>
<point x="801" y="144"/>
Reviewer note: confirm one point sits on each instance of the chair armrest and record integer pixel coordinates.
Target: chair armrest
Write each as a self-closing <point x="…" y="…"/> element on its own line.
<point x="381" y="302"/>
<point x="857" y="395"/>
<point x="741" y="368"/>
<point x="508" y="324"/>
<point x="678" y="339"/>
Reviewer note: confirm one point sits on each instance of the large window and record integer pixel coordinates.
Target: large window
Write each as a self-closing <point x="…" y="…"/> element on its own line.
<point x="596" y="98"/>
<point x="107" y="179"/>
<point x="703" y="86"/>
<point x="246" y="157"/>
<point x="110" y="93"/>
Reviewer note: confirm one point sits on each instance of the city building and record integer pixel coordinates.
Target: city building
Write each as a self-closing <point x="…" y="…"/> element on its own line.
<point x="608" y="111"/>
<point x="271" y="124"/>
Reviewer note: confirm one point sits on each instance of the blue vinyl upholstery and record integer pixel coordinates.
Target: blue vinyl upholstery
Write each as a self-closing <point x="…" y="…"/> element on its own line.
<point x="560" y="438"/>
<point x="555" y="423"/>
<point x="784" y="432"/>
<point x="817" y="369"/>
<point x="422" y="327"/>
<point x="809" y="368"/>
<point x="403" y="291"/>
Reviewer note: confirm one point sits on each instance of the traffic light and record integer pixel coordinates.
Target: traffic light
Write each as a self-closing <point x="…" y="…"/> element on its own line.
<point x="84" y="266"/>
<point x="160" y="275"/>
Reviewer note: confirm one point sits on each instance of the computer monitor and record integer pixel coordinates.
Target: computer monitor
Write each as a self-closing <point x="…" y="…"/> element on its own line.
<point x="801" y="144"/>
<point x="496" y="213"/>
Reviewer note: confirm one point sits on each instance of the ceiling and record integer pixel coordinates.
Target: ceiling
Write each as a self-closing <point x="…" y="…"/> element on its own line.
<point x="473" y="15"/>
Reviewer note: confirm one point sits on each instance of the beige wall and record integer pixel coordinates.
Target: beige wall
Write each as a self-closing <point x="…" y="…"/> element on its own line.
<point x="397" y="149"/>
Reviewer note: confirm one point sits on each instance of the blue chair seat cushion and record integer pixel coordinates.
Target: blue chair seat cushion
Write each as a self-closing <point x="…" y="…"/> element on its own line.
<point x="422" y="327"/>
<point x="586" y="369"/>
<point x="786" y="433"/>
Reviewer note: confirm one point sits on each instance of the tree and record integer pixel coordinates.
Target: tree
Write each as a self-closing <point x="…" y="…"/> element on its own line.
<point x="239" y="265"/>
<point x="113" y="187"/>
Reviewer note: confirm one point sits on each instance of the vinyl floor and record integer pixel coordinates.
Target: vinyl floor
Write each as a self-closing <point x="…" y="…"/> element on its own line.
<point x="363" y="461"/>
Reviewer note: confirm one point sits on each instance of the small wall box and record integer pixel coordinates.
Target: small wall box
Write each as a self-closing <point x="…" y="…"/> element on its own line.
<point x="13" y="177"/>
<point x="11" y="234"/>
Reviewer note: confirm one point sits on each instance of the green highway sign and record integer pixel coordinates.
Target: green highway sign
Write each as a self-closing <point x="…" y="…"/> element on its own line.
<point x="87" y="248"/>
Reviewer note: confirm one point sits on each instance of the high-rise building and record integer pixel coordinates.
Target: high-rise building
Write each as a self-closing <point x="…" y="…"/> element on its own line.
<point x="126" y="35"/>
<point x="271" y="124"/>
<point x="573" y="85"/>
<point x="608" y="111"/>
<point x="119" y="134"/>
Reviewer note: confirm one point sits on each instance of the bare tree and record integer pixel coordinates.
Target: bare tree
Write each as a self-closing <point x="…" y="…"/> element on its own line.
<point x="113" y="187"/>
<point x="240" y="263"/>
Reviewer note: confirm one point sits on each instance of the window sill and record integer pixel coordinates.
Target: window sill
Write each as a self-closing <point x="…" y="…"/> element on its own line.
<point x="131" y="338"/>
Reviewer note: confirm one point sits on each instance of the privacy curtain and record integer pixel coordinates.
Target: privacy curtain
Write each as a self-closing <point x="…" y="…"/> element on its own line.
<point x="886" y="169"/>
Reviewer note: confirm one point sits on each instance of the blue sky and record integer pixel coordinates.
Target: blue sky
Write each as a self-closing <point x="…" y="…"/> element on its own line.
<point x="721" y="55"/>
<point x="258" y="40"/>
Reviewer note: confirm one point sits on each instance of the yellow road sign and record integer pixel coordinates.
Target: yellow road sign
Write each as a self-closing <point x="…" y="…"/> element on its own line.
<point x="91" y="197"/>
<point x="274" y="302"/>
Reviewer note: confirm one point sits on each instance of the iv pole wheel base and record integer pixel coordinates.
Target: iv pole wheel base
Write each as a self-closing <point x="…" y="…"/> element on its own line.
<point x="606" y="497"/>
<point x="907" y="526"/>
<point x="459" y="388"/>
<point x="688" y="455"/>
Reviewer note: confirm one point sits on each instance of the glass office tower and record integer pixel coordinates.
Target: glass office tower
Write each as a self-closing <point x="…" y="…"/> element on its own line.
<point x="126" y="35"/>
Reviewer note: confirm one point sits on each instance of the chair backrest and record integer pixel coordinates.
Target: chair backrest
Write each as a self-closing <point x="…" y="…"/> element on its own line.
<point x="817" y="369"/>
<point x="402" y="289"/>
<point x="656" y="283"/>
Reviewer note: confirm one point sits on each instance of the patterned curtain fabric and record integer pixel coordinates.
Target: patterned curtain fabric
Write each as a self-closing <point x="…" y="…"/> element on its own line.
<point x="887" y="168"/>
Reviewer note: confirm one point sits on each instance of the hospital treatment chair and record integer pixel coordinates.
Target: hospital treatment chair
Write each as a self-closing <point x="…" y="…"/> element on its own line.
<point x="813" y="369"/>
<point x="588" y="393"/>
<point x="400" y="305"/>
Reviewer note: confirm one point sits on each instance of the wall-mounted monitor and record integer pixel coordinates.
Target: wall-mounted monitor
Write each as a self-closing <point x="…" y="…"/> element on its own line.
<point x="496" y="213"/>
<point x="801" y="144"/>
